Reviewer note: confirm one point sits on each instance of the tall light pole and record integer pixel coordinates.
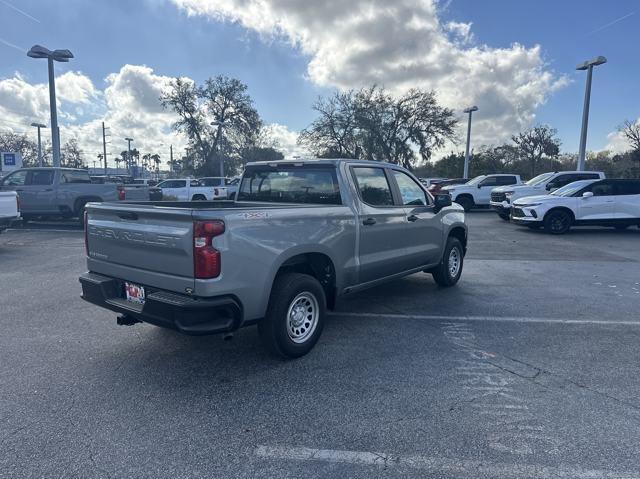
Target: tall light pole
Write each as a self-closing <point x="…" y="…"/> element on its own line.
<point x="38" y="51"/>
<point x="129" y="140"/>
<point x="470" y="111"/>
<point x="588" y="65"/>
<point x="38" y="126"/>
<point x="220" y="125"/>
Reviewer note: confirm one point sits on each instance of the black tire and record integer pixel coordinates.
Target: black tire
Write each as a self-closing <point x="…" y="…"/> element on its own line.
<point x="442" y="274"/>
<point x="277" y="330"/>
<point x="466" y="202"/>
<point x="557" y="222"/>
<point x="504" y="216"/>
<point x="199" y="198"/>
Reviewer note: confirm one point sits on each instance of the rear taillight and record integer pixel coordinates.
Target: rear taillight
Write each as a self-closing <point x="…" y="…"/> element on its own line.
<point x="206" y="259"/>
<point x="86" y="233"/>
<point x="121" y="194"/>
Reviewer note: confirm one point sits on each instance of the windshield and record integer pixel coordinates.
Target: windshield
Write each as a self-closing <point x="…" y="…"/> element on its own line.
<point x="476" y="180"/>
<point x="539" y="179"/>
<point x="572" y="188"/>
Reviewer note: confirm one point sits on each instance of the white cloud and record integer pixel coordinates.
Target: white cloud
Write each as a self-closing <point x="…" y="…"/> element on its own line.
<point x="280" y="137"/>
<point x="401" y="44"/>
<point x="129" y="105"/>
<point x="617" y="143"/>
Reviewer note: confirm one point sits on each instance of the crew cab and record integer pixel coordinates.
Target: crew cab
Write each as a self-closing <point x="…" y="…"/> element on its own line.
<point x="477" y="192"/>
<point x="298" y="236"/>
<point x="608" y="202"/>
<point x="63" y="192"/>
<point x="9" y="209"/>
<point x="185" y="189"/>
<point x="502" y="197"/>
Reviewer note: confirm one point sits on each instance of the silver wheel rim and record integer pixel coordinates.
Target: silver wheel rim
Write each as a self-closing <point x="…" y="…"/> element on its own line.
<point x="302" y="317"/>
<point x="454" y="262"/>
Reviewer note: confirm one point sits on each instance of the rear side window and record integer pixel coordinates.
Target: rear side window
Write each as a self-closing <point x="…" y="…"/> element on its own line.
<point x="290" y="185"/>
<point x="211" y="181"/>
<point x="75" y="177"/>
<point x="41" y="177"/>
<point x="586" y="176"/>
<point x="600" y="189"/>
<point x="373" y="185"/>
<point x="506" y="180"/>
<point x="628" y="187"/>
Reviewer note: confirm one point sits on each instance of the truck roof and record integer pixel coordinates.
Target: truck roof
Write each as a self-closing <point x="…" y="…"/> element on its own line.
<point x="320" y="161"/>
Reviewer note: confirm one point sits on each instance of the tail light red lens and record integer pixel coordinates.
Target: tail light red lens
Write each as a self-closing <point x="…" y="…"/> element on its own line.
<point x="121" y="194"/>
<point x="206" y="259"/>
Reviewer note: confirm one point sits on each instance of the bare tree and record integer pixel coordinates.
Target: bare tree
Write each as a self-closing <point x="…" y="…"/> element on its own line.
<point x="223" y="101"/>
<point x="631" y="132"/>
<point x="537" y="144"/>
<point x="71" y="154"/>
<point x="374" y="125"/>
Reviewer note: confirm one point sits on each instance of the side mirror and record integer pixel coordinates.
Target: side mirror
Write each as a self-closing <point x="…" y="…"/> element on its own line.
<point x="549" y="187"/>
<point x="479" y="186"/>
<point x="441" y="201"/>
<point x="587" y="194"/>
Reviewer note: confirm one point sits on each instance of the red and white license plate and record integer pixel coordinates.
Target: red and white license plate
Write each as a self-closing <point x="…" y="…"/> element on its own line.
<point x="134" y="293"/>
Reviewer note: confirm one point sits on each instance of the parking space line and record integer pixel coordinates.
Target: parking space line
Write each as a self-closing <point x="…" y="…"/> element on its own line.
<point x="506" y="319"/>
<point x="435" y="464"/>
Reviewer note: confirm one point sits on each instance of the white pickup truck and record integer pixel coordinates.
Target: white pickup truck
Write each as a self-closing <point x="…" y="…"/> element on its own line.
<point x="185" y="189"/>
<point x="9" y="209"/>
<point x="477" y="192"/>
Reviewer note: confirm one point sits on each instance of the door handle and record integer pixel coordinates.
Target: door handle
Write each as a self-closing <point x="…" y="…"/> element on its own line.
<point x="412" y="218"/>
<point x="369" y="222"/>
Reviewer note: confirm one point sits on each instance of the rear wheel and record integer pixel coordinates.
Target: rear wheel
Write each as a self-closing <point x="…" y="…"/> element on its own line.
<point x="295" y="315"/>
<point x="198" y="198"/>
<point x="448" y="272"/>
<point x="557" y="222"/>
<point x="465" y="201"/>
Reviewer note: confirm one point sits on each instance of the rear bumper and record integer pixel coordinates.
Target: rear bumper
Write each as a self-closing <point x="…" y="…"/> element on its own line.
<point x="186" y="314"/>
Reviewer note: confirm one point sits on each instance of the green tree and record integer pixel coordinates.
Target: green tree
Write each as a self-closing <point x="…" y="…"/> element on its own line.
<point x="537" y="144"/>
<point x="71" y="154"/>
<point x="223" y="102"/>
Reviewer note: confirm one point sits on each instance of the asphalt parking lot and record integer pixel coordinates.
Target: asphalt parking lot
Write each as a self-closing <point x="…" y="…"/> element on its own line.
<point x="527" y="369"/>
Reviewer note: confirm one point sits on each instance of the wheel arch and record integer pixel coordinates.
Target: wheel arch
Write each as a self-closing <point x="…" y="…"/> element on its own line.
<point x="83" y="200"/>
<point x="564" y="209"/>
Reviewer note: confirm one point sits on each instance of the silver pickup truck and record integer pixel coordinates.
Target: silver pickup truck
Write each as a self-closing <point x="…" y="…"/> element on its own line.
<point x="298" y="236"/>
<point x="63" y="192"/>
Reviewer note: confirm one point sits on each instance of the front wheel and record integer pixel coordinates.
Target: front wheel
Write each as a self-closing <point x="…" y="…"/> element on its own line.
<point x="295" y="315"/>
<point x="557" y="222"/>
<point x="448" y="272"/>
<point x="466" y="202"/>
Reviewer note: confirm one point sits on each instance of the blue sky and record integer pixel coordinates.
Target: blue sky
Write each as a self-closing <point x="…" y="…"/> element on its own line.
<point x="105" y="36"/>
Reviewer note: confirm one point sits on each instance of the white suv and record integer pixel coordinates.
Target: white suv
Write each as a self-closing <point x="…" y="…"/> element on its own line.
<point x="613" y="203"/>
<point x="503" y="197"/>
<point x="477" y="192"/>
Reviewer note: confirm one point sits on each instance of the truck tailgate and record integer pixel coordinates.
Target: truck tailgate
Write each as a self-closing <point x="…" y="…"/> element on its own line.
<point x="150" y="245"/>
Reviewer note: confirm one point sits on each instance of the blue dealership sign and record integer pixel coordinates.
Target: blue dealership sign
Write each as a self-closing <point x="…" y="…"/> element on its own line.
<point x="10" y="159"/>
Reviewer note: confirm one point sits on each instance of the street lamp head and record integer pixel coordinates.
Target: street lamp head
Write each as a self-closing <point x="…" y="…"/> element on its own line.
<point x="38" y="125"/>
<point x="593" y="62"/>
<point x="470" y="109"/>
<point x="38" y="51"/>
<point x="128" y="139"/>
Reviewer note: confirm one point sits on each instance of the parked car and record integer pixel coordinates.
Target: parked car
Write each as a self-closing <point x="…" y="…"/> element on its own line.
<point x="9" y="209"/>
<point x="185" y="189"/>
<point x="431" y="181"/>
<point x="477" y="192"/>
<point x="63" y="192"/>
<point x="223" y="188"/>
<point x="437" y="188"/>
<point x="503" y="197"/>
<point x="297" y="237"/>
<point x="614" y="203"/>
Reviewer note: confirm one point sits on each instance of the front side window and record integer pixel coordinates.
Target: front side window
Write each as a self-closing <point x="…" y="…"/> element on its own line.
<point x="410" y="192"/>
<point x="210" y="181"/>
<point x="15" y="179"/>
<point x="41" y="177"/>
<point x="290" y="185"/>
<point x="373" y="185"/>
<point x="491" y="181"/>
<point x="600" y="189"/>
